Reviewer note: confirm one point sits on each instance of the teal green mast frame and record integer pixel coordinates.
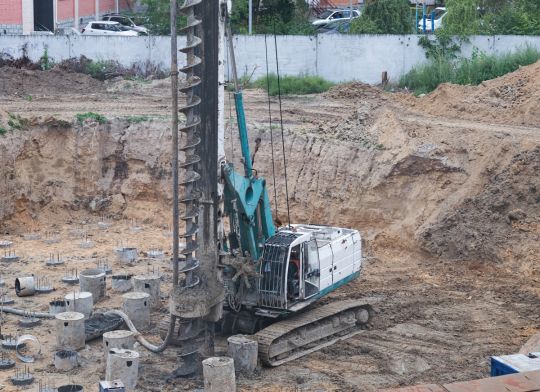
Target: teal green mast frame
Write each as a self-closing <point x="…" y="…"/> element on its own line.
<point x="246" y="199"/>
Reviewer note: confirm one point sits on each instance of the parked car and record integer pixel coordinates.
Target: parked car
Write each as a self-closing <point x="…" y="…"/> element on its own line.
<point x="340" y="26"/>
<point x="126" y="21"/>
<point x="438" y="15"/>
<point x="102" y="27"/>
<point x="333" y="15"/>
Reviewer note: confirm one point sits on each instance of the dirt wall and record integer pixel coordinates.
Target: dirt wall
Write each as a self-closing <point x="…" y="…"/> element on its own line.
<point x="388" y="164"/>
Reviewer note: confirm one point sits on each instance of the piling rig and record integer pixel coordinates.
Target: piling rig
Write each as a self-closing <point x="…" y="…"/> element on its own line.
<point x="248" y="277"/>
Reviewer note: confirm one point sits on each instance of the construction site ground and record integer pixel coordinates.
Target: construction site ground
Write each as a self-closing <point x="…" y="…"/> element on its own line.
<point x="444" y="189"/>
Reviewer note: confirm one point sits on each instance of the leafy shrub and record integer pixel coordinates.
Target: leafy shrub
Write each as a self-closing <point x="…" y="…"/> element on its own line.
<point x="15" y="121"/>
<point x="81" y="117"/>
<point x="102" y="70"/>
<point x="473" y="71"/>
<point x="45" y="62"/>
<point x="467" y="17"/>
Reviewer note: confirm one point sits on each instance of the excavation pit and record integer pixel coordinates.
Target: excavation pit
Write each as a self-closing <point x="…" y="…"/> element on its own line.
<point x="352" y="161"/>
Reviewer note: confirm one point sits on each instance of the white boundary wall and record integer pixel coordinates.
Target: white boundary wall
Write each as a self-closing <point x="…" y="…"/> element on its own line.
<point x="334" y="57"/>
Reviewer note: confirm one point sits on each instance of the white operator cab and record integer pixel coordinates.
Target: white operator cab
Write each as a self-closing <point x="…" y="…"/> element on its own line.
<point x="306" y="262"/>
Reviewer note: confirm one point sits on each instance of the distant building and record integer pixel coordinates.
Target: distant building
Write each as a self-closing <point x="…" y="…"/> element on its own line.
<point x="28" y="16"/>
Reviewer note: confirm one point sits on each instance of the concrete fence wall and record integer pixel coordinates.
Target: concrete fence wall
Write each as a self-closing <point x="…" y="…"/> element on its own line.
<point x="335" y="57"/>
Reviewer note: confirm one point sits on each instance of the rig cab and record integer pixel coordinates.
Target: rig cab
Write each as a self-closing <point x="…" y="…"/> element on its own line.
<point x="302" y="264"/>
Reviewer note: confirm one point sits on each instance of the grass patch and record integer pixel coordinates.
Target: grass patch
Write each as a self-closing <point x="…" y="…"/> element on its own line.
<point x="299" y="85"/>
<point x="100" y="70"/>
<point x="82" y="117"/>
<point x="243" y="82"/>
<point x="425" y="78"/>
<point x="137" y="119"/>
<point x="16" y="122"/>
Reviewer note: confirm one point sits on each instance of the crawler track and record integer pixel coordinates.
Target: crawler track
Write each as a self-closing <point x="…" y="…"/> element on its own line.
<point x="310" y="331"/>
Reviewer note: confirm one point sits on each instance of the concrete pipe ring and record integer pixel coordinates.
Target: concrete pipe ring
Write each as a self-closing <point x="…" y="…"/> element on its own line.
<point x="21" y="342"/>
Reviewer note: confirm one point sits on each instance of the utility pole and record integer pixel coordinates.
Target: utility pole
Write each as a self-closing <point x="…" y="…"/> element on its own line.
<point x="250" y="16"/>
<point x="76" y="14"/>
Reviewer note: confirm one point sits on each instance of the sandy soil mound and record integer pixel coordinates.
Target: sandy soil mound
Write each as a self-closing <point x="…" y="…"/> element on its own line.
<point x="353" y="90"/>
<point x="513" y="98"/>
<point x="500" y="221"/>
<point x="24" y="82"/>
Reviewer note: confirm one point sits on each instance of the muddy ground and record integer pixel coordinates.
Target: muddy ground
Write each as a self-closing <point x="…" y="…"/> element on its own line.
<point x="444" y="189"/>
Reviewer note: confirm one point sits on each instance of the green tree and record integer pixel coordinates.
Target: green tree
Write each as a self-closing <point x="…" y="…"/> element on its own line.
<point x="281" y="16"/>
<point x="159" y="16"/>
<point x="468" y="17"/>
<point x="521" y="17"/>
<point x="462" y="18"/>
<point x="384" y="17"/>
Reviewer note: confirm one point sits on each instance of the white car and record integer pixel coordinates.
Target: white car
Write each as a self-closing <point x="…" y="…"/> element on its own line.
<point x="333" y="15"/>
<point x="438" y="15"/>
<point x="126" y="21"/>
<point x="101" y="27"/>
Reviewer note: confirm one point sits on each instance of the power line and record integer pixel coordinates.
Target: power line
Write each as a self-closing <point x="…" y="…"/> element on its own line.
<point x="282" y="130"/>
<point x="270" y="123"/>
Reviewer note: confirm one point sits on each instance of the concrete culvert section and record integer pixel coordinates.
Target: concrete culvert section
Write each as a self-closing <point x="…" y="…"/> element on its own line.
<point x="25" y="286"/>
<point x="218" y="373"/>
<point x="82" y="302"/>
<point x="123" y="339"/>
<point x="93" y="281"/>
<point x="149" y="283"/>
<point x="137" y="307"/>
<point x="70" y="331"/>
<point x="123" y="365"/>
